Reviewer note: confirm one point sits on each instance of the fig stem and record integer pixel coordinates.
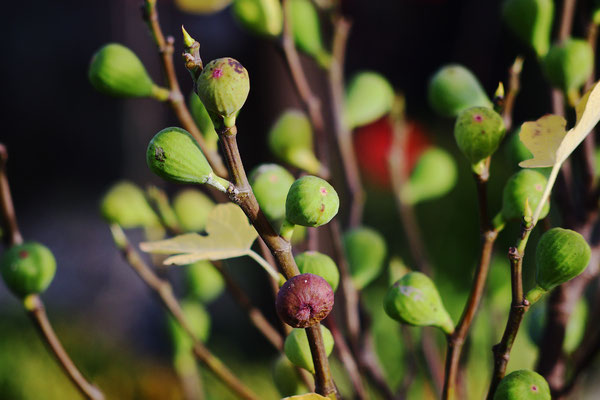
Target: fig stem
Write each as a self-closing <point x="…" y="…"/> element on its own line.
<point x="7" y="209"/>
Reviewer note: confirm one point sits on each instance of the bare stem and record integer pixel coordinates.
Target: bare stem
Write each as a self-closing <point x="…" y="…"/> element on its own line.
<point x="514" y="75"/>
<point x="566" y="21"/>
<point x="9" y="218"/>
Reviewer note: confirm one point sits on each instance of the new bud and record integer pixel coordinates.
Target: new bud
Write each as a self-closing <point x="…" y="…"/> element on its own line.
<point x="530" y="21"/>
<point x="523" y="385"/>
<point x="262" y="17"/>
<point x="311" y="201"/>
<point x="271" y="184"/>
<point x="320" y="264"/>
<point x="125" y="204"/>
<point x="568" y="65"/>
<point x="366" y="251"/>
<point x="433" y="176"/>
<point x="192" y="207"/>
<point x="526" y="186"/>
<point x="27" y="268"/>
<point x="304" y="300"/>
<point x="297" y="349"/>
<point x="369" y="96"/>
<point x="478" y="132"/>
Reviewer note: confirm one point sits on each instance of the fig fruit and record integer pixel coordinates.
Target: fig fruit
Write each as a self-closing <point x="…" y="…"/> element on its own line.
<point x="478" y="132"/>
<point x="304" y="300"/>
<point x="199" y="321"/>
<point x="365" y="251"/>
<point x="203" y="121"/>
<point x="569" y="64"/>
<point x="523" y="385"/>
<point x="524" y="186"/>
<point x="311" y="201"/>
<point x="285" y="377"/>
<point x="271" y="184"/>
<point x="125" y="204"/>
<point x="530" y="21"/>
<point x="203" y="281"/>
<point x="192" y="207"/>
<point x="433" y="176"/>
<point x="320" y="264"/>
<point x="297" y="349"/>
<point x="262" y="17"/>
<point x="306" y="30"/>
<point x="27" y="268"/>
<point x="369" y="96"/>
<point x="201" y="7"/>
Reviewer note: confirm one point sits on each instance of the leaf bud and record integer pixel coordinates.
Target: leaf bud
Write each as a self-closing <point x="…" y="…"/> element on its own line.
<point x="297" y="349"/>
<point x="523" y="384"/>
<point x="304" y="300"/>
<point x="27" y="268"/>
<point x="319" y="264"/>
<point x="365" y="251"/>
<point x="271" y="184"/>
<point x="311" y="202"/>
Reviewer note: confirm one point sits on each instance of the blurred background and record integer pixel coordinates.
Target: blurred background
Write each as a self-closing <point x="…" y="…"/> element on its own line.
<point x="67" y="144"/>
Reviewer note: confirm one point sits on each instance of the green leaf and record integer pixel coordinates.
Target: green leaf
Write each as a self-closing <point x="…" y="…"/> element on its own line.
<point x="228" y="235"/>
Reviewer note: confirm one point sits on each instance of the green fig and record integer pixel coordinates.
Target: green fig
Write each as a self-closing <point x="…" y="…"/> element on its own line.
<point x="285" y="377"/>
<point x="203" y="281"/>
<point x="306" y="30"/>
<point x="523" y="385"/>
<point x="414" y="300"/>
<point x="369" y="96"/>
<point x="319" y="264"/>
<point x="365" y="251"/>
<point x="125" y="204"/>
<point x="203" y="121"/>
<point x="433" y="176"/>
<point x="530" y="21"/>
<point x="453" y="88"/>
<point x="596" y="12"/>
<point x="524" y="187"/>
<point x="173" y="154"/>
<point x="223" y="88"/>
<point x="192" y="207"/>
<point x="271" y="184"/>
<point x="560" y="256"/>
<point x="311" y="201"/>
<point x="478" y="132"/>
<point x="297" y="349"/>
<point x="199" y="322"/>
<point x="117" y="71"/>
<point x="291" y="140"/>
<point x="201" y="7"/>
<point x="569" y="64"/>
<point x="27" y="268"/>
<point x="262" y="17"/>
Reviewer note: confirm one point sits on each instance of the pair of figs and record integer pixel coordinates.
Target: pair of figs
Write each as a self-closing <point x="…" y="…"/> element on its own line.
<point x="27" y="268"/>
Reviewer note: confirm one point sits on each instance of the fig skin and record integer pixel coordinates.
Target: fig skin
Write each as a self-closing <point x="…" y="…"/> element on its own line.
<point x="304" y="300"/>
<point x="319" y="264"/>
<point x="297" y="349"/>
<point x="311" y="201"/>
<point x="525" y="185"/>
<point x="271" y="184"/>
<point x="125" y="204"/>
<point x="523" y="385"/>
<point x="28" y="268"/>
<point x="478" y="132"/>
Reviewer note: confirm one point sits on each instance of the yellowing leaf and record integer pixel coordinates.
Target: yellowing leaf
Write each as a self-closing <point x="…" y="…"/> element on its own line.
<point x="307" y="396"/>
<point x="228" y="235"/>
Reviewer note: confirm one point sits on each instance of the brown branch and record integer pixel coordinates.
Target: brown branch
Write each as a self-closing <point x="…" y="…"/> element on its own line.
<point x="514" y="85"/>
<point x="12" y="235"/>
<point x="566" y="21"/>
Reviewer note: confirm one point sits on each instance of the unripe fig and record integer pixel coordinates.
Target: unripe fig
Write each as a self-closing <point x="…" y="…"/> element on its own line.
<point x="414" y="300"/>
<point x="271" y="184"/>
<point x="125" y="204"/>
<point x="366" y="251"/>
<point x="453" y="89"/>
<point x="203" y="281"/>
<point x="192" y="207"/>
<point x="199" y="322"/>
<point x="530" y="21"/>
<point x="223" y="88"/>
<point x="433" y="176"/>
<point x="297" y="349"/>
<point x="569" y="64"/>
<point x="306" y="29"/>
<point x="526" y="186"/>
<point x="201" y="7"/>
<point x="560" y="256"/>
<point x="173" y="154"/>
<point x="478" y="132"/>
<point x="285" y="377"/>
<point x="523" y="385"/>
<point x="311" y="201"/>
<point x="27" y="268"/>
<point x="304" y="300"/>
<point x="369" y="96"/>
<point x="320" y="264"/>
<point x="203" y="121"/>
<point x="262" y="17"/>
<point x="291" y="140"/>
<point x="117" y="71"/>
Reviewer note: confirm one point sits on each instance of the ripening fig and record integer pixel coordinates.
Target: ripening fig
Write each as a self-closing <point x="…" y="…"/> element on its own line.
<point x="297" y="349"/>
<point x="523" y="385"/>
<point x="478" y="132"/>
<point x="304" y="300"/>
<point x="560" y="256"/>
<point x="569" y="64"/>
<point x="433" y="176"/>
<point x="291" y="140"/>
<point x="311" y="201"/>
<point x="306" y="29"/>
<point x="125" y="204"/>
<point x="192" y="207"/>
<point x="319" y="264"/>
<point x="453" y="88"/>
<point x="27" y="268"/>
<point x="262" y="17"/>
<point x="530" y="21"/>
<point x="203" y="121"/>
<point x="271" y="184"/>
<point x="369" y="96"/>
<point x="201" y="7"/>
<point x="365" y="251"/>
<point x="199" y="322"/>
<point x="223" y="88"/>
<point x="203" y="281"/>
<point x="414" y="300"/>
<point x="173" y="154"/>
<point x="117" y="71"/>
<point x="285" y="377"/>
<point x="526" y="186"/>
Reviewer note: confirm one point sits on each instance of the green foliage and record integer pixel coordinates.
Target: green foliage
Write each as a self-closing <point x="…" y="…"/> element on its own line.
<point x="365" y="251"/>
<point x="311" y="201"/>
<point x="297" y="350"/>
<point x="320" y="264"/>
<point x="531" y="22"/>
<point x="369" y="96"/>
<point x="27" y="268"/>
<point x="271" y="184"/>
<point x="523" y="385"/>
<point x="125" y="204"/>
<point x="433" y="176"/>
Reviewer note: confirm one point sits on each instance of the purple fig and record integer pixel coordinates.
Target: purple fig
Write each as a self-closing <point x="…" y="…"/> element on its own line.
<point x="304" y="300"/>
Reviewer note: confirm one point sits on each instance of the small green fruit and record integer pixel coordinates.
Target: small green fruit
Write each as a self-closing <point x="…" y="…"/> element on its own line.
<point x="204" y="122"/>
<point x="369" y="96"/>
<point x="192" y="207"/>
<point x="117" y="71"/>
<point x="311" y="201"/>
<point x="319" y="264"/>
<point x="203" y="281"/>
<point x="414" y="300"/>
<point x="125" y="204"/>
<point x="271" y="184"/>
<point x="524" y="186"/>
<point x="291" y="140"/>
<point x="262" y="17"/>
<point x="297" y="349"/>
<point x="27" y="268"/>
<point x="530" y="21"/>
<point x="285" y="377"/>
<point x="306" y="30"/>
<point x="523" y="385"/>
<point x="453" y="88"/>
<point x="199" y="321"/>
<point x="433" y="176"/>
<point x="478" y="132"/>
<point x="569" y="64"/>
<point x="223" y="88"/>
<point x="366" y="251"/>
<point x="201" y="7"/>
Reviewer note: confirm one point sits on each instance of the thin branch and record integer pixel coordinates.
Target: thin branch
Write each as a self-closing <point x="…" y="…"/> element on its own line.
<point x="514" y="85"/>
<point x="566" y="21"/>
<point x="12" y="234"/>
